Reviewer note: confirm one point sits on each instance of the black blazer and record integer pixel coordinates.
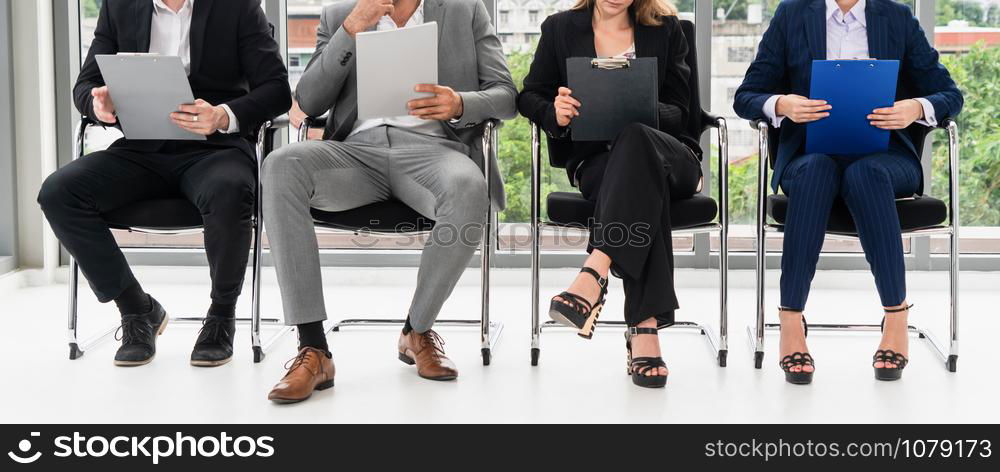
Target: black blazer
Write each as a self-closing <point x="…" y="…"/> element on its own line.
<point x="570" y="34"/>
<point x="234" y="61"/>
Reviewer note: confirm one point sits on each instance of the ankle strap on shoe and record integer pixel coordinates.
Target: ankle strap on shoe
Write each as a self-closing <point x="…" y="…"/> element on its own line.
<point x="898" y="310"/>
<point x="603" y="282"/>
<point x="635" y="331"/>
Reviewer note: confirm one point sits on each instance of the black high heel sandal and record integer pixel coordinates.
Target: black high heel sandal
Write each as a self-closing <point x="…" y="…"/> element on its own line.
<point x="798" y="359"/>
<point x="575" y="311"/>
<point x="887" y="356"/>
<point x="638" y="367"/>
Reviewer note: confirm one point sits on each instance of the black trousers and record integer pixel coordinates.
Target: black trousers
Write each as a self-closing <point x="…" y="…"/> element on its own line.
<point x="632" y="185"/>
<point x="219" y="181"/>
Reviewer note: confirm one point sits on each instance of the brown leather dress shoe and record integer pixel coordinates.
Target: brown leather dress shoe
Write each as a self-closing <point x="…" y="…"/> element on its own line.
<point x="311" y="370"/>
<point x="426" y="350"/>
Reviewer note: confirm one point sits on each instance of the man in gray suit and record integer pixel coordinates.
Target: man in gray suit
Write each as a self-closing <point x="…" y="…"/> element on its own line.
<point x="431" y="160"/>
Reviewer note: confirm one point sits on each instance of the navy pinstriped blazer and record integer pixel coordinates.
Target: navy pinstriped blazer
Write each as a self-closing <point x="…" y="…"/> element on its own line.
<point x="797" y="36"/>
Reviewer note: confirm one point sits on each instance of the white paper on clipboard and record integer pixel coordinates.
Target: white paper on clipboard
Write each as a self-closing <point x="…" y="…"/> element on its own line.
<point x="390" y="64"/>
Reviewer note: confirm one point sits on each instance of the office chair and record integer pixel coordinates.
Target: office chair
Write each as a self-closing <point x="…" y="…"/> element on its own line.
<point x="393" y="217"/>
<point x="918" y="216"/>
<point x="176" y="216"/>
<point x="696" y="215"/>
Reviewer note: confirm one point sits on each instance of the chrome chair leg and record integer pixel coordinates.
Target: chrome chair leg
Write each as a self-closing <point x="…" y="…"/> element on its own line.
<point x="77" y="348"/>
<point x="953" y="273"/>
<point x="723" y="353"/>
<point x="536" y="206"/>
<point x="74" y="293"/>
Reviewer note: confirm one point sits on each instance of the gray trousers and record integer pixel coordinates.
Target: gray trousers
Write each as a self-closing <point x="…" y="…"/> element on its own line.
<point x="434" y="176"/>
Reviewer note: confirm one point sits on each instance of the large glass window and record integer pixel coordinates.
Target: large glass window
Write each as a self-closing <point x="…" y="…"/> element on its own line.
<point x="968" y="36"/>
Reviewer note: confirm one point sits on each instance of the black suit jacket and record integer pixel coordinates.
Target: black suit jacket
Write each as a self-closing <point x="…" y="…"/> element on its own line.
<point x="234" y="61"/>
<point x="571" y="34"/>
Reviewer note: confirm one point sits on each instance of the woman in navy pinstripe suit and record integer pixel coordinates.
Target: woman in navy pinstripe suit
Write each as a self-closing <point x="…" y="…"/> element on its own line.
<point x="775" y="87"/>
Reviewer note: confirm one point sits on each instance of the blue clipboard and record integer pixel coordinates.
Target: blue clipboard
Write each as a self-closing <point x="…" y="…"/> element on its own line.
<point x="854" y="88"/>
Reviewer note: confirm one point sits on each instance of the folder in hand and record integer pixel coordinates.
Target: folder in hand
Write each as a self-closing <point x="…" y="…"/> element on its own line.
<point x="613" y="93"/>
<point x="854" y="88"/>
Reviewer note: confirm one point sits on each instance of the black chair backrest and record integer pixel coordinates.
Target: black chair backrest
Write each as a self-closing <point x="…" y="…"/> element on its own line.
<point x="698" y="120"/>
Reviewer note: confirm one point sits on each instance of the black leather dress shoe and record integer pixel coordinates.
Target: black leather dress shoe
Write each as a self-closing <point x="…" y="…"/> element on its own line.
<point x="138" y="336"/>
<point x="215" y="342"/>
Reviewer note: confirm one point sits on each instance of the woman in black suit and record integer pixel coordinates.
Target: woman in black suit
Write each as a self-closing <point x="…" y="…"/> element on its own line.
<point x="632" y="179"/>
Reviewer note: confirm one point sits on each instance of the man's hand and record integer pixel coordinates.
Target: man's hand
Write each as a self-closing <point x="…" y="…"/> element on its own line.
<point x="446" y="104"/>
<point x="104" y="109"/>
<point x="801" y="109"/>
<point x="901" y="115"/>
<point x="296" y="116"/>
<point x="566" y="107"/>
<point x="366" y="13"/>
<point x="201" y="118"/>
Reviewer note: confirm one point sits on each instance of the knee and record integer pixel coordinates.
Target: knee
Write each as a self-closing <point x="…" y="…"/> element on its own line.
<point x="818" y="164"/>
<point x="466" y="194"/>
<point x="231" y="194"/>
<point x="279" y="166"/>
<point x="811" y="171"/>
<point x="55" y="193"/>
<point x="634" y="131"/>
<point x="862" y="175"/>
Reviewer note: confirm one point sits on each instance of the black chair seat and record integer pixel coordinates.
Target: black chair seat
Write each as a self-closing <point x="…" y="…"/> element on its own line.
<point x="391" y="216"/>
<point x="570" y="208"/>
<point x="166" y="214"/>
<point x="918" y="213"/>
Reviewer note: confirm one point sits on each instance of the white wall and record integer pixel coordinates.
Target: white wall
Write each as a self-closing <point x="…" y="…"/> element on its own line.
<point x="34" y="109"/>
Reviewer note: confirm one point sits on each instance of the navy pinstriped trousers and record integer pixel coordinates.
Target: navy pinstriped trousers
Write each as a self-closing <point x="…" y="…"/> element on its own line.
<point x="869" y="186"/>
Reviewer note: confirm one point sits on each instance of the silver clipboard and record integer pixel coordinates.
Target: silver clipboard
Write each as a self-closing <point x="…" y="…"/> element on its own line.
<point x="146" y="89"/>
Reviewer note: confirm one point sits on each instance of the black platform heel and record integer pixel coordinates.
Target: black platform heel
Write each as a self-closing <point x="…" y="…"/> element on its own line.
<point x="637" y="367"/>
<point x="798" y="359"/>
<point x="575" y="311"/>
<point x="886" y="356"/>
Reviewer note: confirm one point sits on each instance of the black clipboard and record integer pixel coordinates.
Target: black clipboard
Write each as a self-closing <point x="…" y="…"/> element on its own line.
<point x="611" y="98"/>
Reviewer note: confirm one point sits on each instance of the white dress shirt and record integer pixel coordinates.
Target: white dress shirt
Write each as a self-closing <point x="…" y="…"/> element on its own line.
<point x="846" y="38"/>
<point x="408" y="122"/>
<point x="170" y="35"/>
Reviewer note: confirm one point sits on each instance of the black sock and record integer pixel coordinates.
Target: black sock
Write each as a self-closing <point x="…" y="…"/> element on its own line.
<point x="312" y="335"/>
<point x="134" y="301"/>
<point x="407" y="329"/>
<point x="222" y="311"/>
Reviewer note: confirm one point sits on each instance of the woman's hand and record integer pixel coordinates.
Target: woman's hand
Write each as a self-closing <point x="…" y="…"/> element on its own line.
<point x="901" y="115"/>
<point x="566" y="107"/>
<point x="801" y="109"/>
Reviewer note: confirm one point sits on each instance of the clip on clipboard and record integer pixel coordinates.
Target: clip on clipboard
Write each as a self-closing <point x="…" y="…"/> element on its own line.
<point x="854" y="88"/>
<point x="613" y="93"/>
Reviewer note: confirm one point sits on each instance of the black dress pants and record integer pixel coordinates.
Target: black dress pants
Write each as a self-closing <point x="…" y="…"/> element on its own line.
<point x="220" y="182"/>
<point x="632" y="186"/>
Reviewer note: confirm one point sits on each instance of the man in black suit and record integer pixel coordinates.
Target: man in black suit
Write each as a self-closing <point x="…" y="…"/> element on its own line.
<point x="240" y="80"/>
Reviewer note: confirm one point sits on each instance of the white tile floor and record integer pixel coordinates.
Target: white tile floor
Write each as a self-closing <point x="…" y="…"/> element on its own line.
<point x="577" y="381"/>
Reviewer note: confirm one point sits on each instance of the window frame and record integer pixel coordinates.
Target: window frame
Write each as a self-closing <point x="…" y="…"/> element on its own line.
<point x="8" y="181"/>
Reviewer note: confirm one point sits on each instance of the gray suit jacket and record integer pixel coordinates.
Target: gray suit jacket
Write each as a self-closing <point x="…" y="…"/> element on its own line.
<point x="470" y="61"/>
